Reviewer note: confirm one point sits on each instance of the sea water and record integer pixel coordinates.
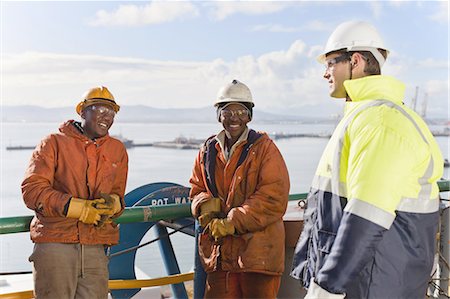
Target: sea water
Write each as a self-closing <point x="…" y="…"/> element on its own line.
<point x="148" y="165"/>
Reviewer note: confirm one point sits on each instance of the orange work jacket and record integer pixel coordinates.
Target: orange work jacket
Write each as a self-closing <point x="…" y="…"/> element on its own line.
<point x="254" y="198"/>
<point x="68" y="164"/>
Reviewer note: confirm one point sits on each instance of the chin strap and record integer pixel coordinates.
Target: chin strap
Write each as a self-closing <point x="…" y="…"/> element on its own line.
<point x="77" y="125"/>
<point x="351" y="76"/>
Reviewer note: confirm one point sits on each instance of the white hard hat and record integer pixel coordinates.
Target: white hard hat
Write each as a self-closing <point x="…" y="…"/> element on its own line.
<point x="355" y="36"/>
<point x="235" y="91"/>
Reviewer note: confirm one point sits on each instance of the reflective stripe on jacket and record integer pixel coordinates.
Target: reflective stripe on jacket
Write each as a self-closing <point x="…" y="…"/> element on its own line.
<point x="254" y="198"/>
<point x="372" y="216"/>
<point x="69" y="164"/>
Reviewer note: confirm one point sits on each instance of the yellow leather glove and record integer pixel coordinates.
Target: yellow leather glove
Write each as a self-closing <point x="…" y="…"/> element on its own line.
<point x="211" y="205"/>
<point x="205" y="219"/>
<point x="209" y="210"/>
<point x="112" y="205"/>
<point x="219" y="228"/>
<point x="85" y="210"/>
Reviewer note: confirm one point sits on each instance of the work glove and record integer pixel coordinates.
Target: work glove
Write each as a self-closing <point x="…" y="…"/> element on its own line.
<point x="315" y="291"/>
<point x="209" y="210"/>
<point x="112" y="204"/>
<point x="219" y="228"/>
<point x="211" y="205"/>
<point x="86" y="210"/>
<point x="205" y="219"/>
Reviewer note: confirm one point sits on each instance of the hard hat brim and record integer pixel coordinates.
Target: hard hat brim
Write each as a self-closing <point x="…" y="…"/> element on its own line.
<point x="321" y="58"/>
<point x="231" y="101"/>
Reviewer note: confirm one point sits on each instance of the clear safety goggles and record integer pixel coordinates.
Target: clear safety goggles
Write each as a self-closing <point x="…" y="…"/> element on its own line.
<point x="332" y="62"/>
<point x="103" y="110"/>
<point x="241" y="113"/>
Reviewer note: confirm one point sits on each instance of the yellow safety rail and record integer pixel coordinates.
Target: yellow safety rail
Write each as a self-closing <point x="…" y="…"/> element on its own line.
<point x="120" y="284"/>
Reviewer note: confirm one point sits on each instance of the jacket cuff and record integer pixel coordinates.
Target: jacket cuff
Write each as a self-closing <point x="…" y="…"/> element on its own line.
<point x="315" y="291"/>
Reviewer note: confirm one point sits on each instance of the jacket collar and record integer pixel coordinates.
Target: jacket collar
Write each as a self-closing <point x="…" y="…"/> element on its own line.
<point x="375" y="87"/>
<point x="221" y="141"/>
<point x="68" y="128"/>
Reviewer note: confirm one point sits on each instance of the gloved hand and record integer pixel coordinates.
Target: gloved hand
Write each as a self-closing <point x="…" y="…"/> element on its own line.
<point x="315" y="291"/>
<point x="209" y="210"/>
<point x="112" y="204"/>
<point x="219" y="228"/>
<point x="205" y="219"/>
<point x="211" y="205"/>
<point x="86" y="210"/>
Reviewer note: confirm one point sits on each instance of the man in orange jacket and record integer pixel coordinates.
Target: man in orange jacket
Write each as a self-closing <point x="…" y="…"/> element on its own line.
<point x="75" y="183"/>
<point x="240" y="189"/>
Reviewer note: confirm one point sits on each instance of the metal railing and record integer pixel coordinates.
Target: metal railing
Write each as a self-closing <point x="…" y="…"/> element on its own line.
<point x="167" y="213"/>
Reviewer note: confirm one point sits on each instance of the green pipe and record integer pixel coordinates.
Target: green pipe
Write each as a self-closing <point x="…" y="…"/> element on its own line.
<point x="18" y="224"/>
<point x="298" y="196"/>
<point x="9" y="225"/>
<point x="444" y="185"/>
<point x="154" y="213"/>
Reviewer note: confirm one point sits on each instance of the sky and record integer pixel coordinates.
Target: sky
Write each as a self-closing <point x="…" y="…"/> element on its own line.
<point x="177" y="54"/>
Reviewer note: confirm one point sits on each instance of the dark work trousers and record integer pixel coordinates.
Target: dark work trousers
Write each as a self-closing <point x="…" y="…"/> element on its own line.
<point x="199" y="272"/>
<point x="220" y="284"/>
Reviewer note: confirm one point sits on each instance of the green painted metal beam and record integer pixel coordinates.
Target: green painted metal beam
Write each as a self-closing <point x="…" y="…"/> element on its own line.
<point x="9" y="225"/>
<point x="444" y="185"/>
<point x="298" y="196"/>
<point x="155" y="213"/>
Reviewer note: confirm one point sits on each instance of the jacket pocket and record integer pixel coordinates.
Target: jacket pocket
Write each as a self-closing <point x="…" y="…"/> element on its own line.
<point x="108" y="173"/>
<point x="324" y="243"/>
<point x="109" y="168"/>
<point x="208" y="251"/>
<point x="233" y="254"/>
<point x="326" y="240"/>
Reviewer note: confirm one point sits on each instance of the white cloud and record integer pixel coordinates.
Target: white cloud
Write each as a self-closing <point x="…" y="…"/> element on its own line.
<point x="139" y="81"/>
<point x="284" y="81"/>
<point x="433" y="63"/>
<point x="223" y="9"/>
<point x="397" y="3"/>
<point x="376" y="8"/>
<point x="317" y="25"/>
<point x="154" y="13"/>
<point x="275" y="28"/>
<point x="281" y="81"/>
<point x="435" y="92"/>
<point x="310" y="26"/>
<point x="435" y="87"/>
<point x="430" y="76"/>
<point x="442" y="14"/>
<point x="271" y="76"/>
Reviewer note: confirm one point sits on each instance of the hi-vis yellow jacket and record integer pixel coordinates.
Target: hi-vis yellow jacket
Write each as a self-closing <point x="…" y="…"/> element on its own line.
<point x="372" y="216"/>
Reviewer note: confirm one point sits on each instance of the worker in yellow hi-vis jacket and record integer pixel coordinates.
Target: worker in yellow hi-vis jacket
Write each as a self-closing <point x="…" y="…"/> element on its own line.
<point x="372" y="216"/>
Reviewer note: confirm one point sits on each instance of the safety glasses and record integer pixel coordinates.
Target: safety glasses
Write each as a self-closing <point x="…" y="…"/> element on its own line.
<point x="332" y="62"/>
<point x="241" y="113"/>
<point x="103" y="110"/>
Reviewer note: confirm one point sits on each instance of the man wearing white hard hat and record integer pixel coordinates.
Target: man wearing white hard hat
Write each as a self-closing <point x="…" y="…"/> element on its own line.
<point x="240" y="189"/>
<point x="75" y="184"/>
<point x="373" y="208"/>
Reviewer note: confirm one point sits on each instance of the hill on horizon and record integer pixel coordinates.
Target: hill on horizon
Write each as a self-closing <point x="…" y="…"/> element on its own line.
<point x="141" y="113"/>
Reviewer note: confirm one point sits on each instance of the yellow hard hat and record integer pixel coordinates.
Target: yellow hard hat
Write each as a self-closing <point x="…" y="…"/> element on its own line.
<point x="97" y="95"/>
